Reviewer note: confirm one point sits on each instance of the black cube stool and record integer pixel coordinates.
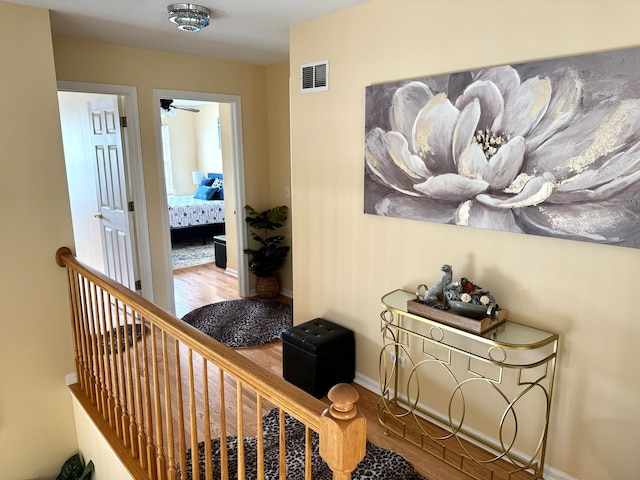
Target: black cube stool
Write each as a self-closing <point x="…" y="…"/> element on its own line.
<point x="318" y="354"/>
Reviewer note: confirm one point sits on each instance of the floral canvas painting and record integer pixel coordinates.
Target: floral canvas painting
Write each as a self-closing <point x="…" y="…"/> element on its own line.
<point x="546" y="148"/>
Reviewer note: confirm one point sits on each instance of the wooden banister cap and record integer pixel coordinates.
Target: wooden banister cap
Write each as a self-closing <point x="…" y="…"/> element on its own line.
<point x="62" y="251"/>
<point x="343" y="398"/>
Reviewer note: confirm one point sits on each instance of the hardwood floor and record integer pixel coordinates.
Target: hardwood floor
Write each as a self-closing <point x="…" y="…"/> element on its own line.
<point x="201" y="285"/>
<point x="205" y="284"/>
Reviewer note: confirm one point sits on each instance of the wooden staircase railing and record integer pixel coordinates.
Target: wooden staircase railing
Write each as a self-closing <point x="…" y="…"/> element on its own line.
<point x="158" y="389"/>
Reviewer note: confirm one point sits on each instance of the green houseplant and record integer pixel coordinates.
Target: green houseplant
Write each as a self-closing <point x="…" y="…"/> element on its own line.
<point x="269" y="257"/>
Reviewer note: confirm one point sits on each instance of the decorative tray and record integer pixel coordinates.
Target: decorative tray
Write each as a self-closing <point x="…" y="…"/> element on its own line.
<point x="454" y="320"/>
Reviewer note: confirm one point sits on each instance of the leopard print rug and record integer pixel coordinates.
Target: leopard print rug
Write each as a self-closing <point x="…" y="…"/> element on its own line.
<point x="243" y="323"/>
<point x="378" y="463"/>
<point x="127" y="335"/>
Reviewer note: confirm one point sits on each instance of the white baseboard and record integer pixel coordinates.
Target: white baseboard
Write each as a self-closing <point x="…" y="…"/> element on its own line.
<point x="550" y="473"/>
<point x="368" y="383"/>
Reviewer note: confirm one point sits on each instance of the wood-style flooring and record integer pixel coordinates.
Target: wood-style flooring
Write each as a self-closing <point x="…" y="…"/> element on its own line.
<point x="205" y="284"/>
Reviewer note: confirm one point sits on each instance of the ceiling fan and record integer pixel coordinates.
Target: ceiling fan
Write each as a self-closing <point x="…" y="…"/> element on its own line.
<point x="167" y="104"/>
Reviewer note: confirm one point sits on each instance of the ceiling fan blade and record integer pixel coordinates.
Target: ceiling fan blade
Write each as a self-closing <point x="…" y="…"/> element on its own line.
<point x="167" y="104"/>
<point x="188" y="109"/>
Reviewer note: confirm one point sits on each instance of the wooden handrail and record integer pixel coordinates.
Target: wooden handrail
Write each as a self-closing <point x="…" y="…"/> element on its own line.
<point x="133" y="407"/>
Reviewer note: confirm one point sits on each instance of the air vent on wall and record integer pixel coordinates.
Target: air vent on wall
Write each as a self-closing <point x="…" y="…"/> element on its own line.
<point x="314" y="77"/>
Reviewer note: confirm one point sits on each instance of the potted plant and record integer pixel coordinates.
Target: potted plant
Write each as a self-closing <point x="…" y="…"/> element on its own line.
<point x="266" y="260"/>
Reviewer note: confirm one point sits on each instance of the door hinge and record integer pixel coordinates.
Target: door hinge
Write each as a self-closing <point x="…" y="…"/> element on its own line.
<point x="130" y="207"/>
<point x="138" y="285"/>
<point x="123" y="122"/>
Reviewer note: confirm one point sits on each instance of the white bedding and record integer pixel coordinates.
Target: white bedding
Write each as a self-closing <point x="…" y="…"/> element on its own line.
<point x="186" y="211"/>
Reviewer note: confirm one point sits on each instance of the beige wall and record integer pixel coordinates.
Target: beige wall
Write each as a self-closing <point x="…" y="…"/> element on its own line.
<point x="279" y="154"/>
<point x="183" y="147"/>
<point x="345" y="260"/>
<point x="83" y="61"/>
<point x="36" y="418"/>
<point x="209" y="151"/>
<point x="193" y="139"/>
<point x="94" y="447"/>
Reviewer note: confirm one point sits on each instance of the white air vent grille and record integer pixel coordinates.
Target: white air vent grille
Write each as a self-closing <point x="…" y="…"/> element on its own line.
<point x="314" y="77"/>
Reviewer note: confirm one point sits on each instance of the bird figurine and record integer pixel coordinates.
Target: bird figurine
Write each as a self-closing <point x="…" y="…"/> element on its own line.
<point x="433" y="295"/>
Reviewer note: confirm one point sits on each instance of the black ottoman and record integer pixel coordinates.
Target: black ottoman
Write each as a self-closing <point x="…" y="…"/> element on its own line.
<point x="318" y="354"/>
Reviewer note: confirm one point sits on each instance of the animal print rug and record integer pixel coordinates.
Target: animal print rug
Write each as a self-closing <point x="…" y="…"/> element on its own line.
<point x="378" y="463"/>
<point x="243" y="323"/>
<point x="126" y="335"/>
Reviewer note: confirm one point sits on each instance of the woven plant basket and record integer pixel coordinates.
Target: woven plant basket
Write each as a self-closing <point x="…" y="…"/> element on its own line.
<point x="267" y="287"/>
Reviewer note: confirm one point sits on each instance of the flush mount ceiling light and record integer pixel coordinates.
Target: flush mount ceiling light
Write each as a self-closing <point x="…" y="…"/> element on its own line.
<point x="189" y="17"/>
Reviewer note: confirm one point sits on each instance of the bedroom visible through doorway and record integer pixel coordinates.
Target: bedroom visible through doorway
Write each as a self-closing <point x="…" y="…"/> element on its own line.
<point x="191" y="153"/>
<point x="201" y="162"/>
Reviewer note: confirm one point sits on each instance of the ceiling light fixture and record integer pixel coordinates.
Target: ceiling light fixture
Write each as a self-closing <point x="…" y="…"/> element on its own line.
<point x="189" y="17"/>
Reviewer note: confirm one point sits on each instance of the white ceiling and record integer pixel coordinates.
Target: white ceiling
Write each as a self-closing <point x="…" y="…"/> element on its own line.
<point x="253" y="31"/>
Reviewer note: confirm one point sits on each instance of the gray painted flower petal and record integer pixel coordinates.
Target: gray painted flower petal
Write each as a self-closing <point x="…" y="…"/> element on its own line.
<point x="416" y="209"/>
<point x="387" y="162"/>
<point x="433" y="133"/>
<point x="465" y="129"/>
<point x="412" y="165"/>
<point x="407" y="102"/>
<point x="592" y="140"/>
<point x="505" y="165"/>
<point x="596" y="222"/>
<point x="524" y="110"/>
<point x="566" y="97"/>
<point x="506" y="78"/>
<point x="618" y="168"/>
<point x="491" y="102"/>
<point x="474" y="214"/>
<point x="601" y="193"/>
<point x="472" y="163"/>
<point x="536" y="191"/>
<point x="452" y="187"/>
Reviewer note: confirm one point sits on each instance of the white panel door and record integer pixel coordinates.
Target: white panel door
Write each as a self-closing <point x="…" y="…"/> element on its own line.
<point x="109" y="159"/>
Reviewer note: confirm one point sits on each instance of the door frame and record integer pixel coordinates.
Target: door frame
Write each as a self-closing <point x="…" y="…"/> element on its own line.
<point x="134" y="178"/>
<point x="234" y="101"/>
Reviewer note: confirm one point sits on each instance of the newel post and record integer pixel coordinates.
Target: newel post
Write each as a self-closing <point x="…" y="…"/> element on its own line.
<point x="343" y="432"/>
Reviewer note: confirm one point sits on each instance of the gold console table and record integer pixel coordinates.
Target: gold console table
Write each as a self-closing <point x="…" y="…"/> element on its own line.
<point x="500" y="381"/>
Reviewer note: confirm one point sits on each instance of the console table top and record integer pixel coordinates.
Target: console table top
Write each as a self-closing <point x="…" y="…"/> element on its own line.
<point x="507" y="335"/>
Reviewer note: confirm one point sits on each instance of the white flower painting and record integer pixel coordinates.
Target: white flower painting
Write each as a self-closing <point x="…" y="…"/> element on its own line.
<point x="547" y="148"/>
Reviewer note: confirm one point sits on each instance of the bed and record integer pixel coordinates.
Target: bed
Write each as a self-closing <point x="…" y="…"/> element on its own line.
<point x="200" y="215"/>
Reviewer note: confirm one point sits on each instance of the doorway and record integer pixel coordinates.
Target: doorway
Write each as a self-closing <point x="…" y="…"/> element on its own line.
<point x="194" y="174"/>
<point x="232" y="163"/>
<point x="84" y="181"/>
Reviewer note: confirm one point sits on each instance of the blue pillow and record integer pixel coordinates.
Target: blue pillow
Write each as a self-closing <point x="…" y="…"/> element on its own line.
<point x="205" y="193"/>
<point x="219" y="195"/>
<point x="206" y="182"/>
